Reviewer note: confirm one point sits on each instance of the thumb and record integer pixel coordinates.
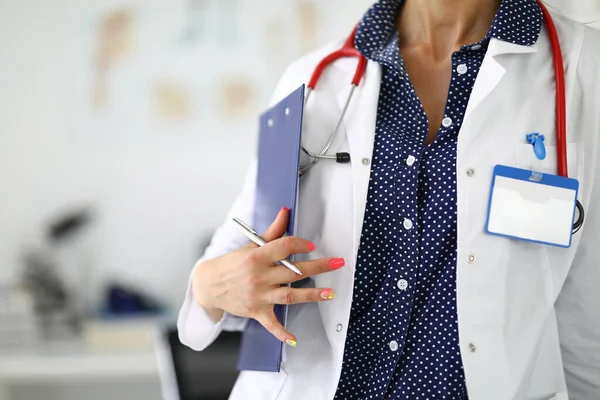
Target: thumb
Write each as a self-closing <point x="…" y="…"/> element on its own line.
<point x="278" y="227"/>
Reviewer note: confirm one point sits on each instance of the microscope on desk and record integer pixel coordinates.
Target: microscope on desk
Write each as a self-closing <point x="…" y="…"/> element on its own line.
<point x="58" y="309"/>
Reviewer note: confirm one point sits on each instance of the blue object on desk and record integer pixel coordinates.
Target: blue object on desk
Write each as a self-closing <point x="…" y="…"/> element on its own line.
<point x="276" y="187"/>
<point x="120" y="300"/>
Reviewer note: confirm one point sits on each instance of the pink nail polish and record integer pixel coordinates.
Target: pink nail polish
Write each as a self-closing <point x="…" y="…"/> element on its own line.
<point x="311" y="246"/>
<point x="285" y="209"/>
<point x="336" y="263"/>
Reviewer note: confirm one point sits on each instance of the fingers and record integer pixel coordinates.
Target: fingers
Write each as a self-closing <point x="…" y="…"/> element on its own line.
<point x="278" y="247"/>
<point x="287" y="295"/>
<point x="271" y="323"/>
<point x="281" y="248"/>
<point x="278" y="227"/>
<point x="321" y="266"/>
<point x="281" y="274"/>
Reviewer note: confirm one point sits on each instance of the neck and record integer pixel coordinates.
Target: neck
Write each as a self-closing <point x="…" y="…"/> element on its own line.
<point x="442" y="26"/>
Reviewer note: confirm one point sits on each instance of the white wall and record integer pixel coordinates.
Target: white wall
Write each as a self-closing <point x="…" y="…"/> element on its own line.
<point x="157" y="193"/>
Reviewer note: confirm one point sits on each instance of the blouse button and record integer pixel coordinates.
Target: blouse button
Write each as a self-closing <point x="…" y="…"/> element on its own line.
<point x="393" y="345"/>
<point x="462" y="69"/>
<point x="447" y="122"/>
<point x="402" y="284"/>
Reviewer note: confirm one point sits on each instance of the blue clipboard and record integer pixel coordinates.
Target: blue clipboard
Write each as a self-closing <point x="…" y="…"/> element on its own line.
<point x="276" y="187"/>
<point x="532" y="206"/>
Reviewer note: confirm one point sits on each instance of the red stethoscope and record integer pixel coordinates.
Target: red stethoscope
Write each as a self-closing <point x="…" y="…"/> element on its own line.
<point x="349" y="50"/>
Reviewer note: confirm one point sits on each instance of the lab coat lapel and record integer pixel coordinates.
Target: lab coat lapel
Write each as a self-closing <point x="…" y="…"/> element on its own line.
<point x="359" y="123"/>
<point x="491" y="72"/>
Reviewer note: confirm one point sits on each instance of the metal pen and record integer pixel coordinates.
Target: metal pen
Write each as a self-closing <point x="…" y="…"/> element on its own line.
<point x="255" y="238"/>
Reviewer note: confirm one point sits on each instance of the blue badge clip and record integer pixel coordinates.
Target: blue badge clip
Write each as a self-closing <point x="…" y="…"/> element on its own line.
<point x="537" y="141"/>
<point x="536" y="176"/>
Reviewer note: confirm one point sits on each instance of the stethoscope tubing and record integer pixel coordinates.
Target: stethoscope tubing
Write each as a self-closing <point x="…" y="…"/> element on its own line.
<point x="349" y="50"/>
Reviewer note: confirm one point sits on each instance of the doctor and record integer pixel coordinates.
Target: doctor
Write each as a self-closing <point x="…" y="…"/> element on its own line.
<point x="409" y="298"/>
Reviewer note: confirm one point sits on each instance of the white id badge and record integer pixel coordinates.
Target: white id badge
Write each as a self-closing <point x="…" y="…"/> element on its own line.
<point x="532" y="206"/>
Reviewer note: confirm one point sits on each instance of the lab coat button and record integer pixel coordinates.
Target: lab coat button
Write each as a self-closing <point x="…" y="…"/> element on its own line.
<point x="471" y="259"/>
<point x="339" y="328"/>
<point x="393" y="345"/>
<point x="470" y="172"/>
<point x="366" y="161"/>
<point x="462" y="69"/>
<point x="402" y="284"/>
<point x="447" y="122"/>
<point x="408" y="224"/>
<point x="410" y="161"/>
<point x="472" y="348"/>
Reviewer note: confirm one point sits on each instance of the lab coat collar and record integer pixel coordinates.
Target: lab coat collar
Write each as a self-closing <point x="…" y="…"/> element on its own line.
<point x="499" y="47"/>
<point x="492" y="71"/>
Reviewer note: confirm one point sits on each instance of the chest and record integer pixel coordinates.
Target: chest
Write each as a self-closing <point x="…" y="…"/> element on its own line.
<point x="441" y="87"/>
<point x="431" y="82"/>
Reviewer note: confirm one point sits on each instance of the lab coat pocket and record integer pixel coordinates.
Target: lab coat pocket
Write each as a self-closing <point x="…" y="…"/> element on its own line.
<point x="527" y="159"/>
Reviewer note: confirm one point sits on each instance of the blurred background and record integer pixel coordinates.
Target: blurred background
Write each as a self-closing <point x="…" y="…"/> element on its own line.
<point x="126" y="127"/>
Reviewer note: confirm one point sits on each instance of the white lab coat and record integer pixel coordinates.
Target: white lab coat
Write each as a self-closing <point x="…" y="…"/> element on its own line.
<point x="528" y="314"/>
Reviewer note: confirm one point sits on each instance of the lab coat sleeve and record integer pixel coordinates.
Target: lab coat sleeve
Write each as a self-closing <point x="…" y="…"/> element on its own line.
<point x="578" y="306"/>
<point x="196" y="329"/>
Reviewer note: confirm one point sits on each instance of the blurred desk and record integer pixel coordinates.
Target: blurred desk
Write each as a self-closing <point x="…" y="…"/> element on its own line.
<point x="69" y="366"/>
<point x="75" y="367"/>
<point x="115" y="357"/>
<point x="109" y="354"/>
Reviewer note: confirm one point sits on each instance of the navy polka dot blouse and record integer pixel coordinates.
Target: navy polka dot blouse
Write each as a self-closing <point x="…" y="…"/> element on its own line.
<point x="402" y="340"/>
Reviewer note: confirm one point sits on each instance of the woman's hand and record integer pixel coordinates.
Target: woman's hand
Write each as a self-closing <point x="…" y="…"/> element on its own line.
<point x="247" y="282"/>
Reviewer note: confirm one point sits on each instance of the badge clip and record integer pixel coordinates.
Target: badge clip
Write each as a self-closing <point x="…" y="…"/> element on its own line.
<point x="537" y="141"/>
<point x="536" y="176"/>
